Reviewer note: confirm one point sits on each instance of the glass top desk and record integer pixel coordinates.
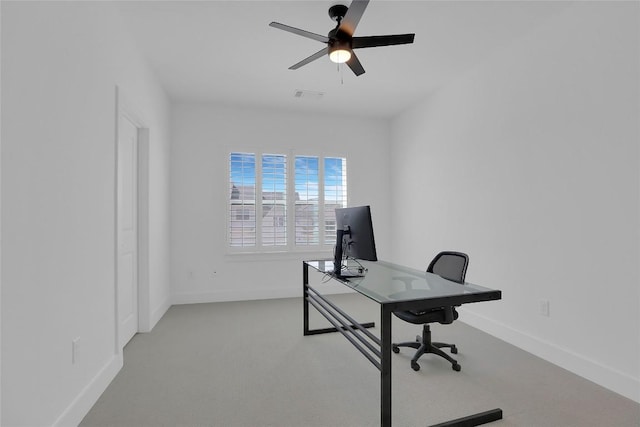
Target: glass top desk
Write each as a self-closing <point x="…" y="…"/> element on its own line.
<point x="394" y="288"/>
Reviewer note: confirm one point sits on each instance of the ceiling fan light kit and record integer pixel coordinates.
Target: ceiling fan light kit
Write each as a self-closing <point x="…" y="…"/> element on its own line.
<point x="339" y="52"/>
<point x="340" y="40"/>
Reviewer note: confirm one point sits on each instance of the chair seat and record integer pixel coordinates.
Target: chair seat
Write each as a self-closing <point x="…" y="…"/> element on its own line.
<point x="444" y="315"/>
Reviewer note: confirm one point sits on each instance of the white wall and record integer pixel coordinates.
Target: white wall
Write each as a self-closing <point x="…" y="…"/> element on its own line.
<point x="529" y="163"/>
<point x="61" y="63"/>
<point x="202" y="137"/>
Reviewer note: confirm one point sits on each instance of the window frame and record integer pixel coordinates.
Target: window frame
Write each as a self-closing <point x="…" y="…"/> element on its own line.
<point x="291" y="247"/>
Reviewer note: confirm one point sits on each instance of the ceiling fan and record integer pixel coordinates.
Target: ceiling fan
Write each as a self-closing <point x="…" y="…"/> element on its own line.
<point x="340" y="41"/>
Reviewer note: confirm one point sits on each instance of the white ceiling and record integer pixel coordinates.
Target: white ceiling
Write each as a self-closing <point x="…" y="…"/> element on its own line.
<point x="224" y="52"/>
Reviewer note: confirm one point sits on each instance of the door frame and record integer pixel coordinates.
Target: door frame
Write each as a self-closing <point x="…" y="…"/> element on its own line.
<point x="124" y="108"/>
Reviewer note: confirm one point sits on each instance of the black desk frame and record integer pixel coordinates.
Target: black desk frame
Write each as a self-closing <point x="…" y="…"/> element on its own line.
<point x="378" y="350"/>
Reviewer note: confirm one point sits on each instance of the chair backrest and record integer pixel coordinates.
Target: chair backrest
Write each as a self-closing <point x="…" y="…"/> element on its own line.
<point x="450" y="265"/>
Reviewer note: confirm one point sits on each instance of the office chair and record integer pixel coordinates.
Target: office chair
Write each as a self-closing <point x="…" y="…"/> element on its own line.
<point x="451" y="266"/>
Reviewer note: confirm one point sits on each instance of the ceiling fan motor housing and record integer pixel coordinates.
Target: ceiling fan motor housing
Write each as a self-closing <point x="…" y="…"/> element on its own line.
<point x="337" y="44"/>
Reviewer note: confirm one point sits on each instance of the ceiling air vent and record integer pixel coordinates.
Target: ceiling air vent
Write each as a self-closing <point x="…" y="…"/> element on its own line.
<point x="308" y="94"/>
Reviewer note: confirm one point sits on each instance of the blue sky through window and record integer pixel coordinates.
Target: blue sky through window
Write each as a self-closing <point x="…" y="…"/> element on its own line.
<point x="306" y="178"/>
<point x="243" y="169"/>
<point x="274" y="173"/>
<point x="334" y="179"/>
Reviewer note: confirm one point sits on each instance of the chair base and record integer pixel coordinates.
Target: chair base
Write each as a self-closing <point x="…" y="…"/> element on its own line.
<point x="425" y="345"/>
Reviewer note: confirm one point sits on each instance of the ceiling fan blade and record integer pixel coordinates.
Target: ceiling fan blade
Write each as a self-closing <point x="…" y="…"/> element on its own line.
<point x="298" y="31"/>
<point x="373" y="41"/>
<point x="354" y="13"/>
<point x="355" y="64"/>
<point x="318" y="54"/>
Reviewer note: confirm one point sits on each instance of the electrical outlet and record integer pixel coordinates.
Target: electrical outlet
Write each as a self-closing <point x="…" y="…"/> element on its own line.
<point x="544" y="308"/>
<point x="75" y="347"/>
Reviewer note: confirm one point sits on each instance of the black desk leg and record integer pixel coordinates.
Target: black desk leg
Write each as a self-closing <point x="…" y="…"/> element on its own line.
<point x="305" y="302"/>
<point x="385" y="371"/>
<point x="305" y="308"/>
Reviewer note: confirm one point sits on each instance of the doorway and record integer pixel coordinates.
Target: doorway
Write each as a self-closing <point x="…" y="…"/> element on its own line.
<point x="127" y="230"/>
<point x="131" y="242"/>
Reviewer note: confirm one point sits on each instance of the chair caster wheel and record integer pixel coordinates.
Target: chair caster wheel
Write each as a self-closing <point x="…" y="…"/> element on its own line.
<point x="456" y="367"/>
<point x="395" y="348"/>
<point x="415" y="366"/>
<point x="454" y="350"/>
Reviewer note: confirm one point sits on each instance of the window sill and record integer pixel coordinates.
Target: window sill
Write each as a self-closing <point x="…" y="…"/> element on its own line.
<point x="279" y="256"/>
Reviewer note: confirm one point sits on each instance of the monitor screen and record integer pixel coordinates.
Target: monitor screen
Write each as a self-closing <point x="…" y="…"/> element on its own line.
<point x="354" y="236"/>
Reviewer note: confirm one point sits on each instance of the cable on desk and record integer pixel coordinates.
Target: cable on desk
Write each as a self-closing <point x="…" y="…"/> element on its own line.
<point x="327" y="277"/>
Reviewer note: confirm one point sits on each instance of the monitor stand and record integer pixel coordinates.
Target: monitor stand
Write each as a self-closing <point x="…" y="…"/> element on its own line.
<point x="338" y="271"/>
<point x="337" y="256"/>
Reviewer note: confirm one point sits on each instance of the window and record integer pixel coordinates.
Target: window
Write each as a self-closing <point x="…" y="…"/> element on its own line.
<point x="307" y="199"/>
<point x="242" y="226"/>
<point x="274" y="200"/>
<point x="293" y="214"/>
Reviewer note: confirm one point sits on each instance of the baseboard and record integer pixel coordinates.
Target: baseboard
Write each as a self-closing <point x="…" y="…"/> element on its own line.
<point x="251" y="294"/>
<point x="605" y="376"/>
<point x="78" y="409"/>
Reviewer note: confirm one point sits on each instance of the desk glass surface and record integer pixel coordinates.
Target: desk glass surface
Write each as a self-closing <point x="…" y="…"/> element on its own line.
<point x="385" y="282"/>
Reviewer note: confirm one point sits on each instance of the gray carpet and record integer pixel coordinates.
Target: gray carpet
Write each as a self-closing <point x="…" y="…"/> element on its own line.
<point x="246" y="364"/>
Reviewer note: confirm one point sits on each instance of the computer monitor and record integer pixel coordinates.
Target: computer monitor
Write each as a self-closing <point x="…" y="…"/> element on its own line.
<point x="354" y="238"/>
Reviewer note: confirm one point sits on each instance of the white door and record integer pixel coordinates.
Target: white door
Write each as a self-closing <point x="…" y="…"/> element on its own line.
<point x="127" y="262"/>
